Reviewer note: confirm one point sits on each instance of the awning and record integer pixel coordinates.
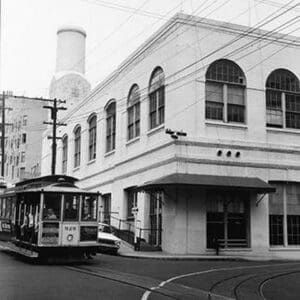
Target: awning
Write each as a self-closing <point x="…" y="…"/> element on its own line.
<point x="210" y="181"/>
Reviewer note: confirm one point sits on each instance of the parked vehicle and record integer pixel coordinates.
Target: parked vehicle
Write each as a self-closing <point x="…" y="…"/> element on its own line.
<point x="107" y="241"/>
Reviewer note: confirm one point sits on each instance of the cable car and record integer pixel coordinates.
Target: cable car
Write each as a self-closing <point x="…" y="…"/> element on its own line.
<point x="50" y="217"/>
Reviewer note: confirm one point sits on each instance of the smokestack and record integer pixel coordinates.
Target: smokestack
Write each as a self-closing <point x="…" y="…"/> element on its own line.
<point x="70" y="52"/>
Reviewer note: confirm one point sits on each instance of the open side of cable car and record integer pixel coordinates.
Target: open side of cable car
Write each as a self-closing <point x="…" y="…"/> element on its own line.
<point x="50" y="216"/>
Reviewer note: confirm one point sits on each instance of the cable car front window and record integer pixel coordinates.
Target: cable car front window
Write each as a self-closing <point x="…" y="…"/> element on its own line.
<point x="71" y="207"/>
<point x="52" y="205"/>
<point x="89" y="208"/>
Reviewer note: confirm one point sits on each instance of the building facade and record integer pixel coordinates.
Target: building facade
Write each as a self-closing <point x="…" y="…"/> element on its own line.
<point x="24" y="134"/>
<point x="194" y="140"/>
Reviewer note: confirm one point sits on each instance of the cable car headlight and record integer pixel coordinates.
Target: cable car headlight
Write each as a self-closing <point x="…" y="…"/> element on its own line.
<point x="70" y="237"/>
<point x="118" y="243"/>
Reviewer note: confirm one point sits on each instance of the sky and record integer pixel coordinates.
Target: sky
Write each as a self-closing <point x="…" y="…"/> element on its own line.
<point x="115" y="28"/>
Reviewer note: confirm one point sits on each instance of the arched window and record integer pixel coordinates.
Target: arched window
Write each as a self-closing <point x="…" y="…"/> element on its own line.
<point x="111" y="126"/>
<point x="283" y="99"/>
<point x="92" y="137"/>
<point x="133" y="112"/>
<point x="64" y="153"/>
<point x="77" y="146"/>
<point x="157" y="98"/>
<point x="225" y="92"/>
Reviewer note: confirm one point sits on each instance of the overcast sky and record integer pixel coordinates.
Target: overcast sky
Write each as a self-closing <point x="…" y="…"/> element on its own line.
<point x="114" y="29"/>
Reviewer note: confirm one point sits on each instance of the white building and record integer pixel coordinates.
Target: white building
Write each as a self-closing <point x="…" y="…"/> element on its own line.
<point x="24" y="135"/>
<point x="235" y="92"/>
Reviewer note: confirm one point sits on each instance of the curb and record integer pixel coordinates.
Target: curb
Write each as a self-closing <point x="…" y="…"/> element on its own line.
<point x="197" y="258"/>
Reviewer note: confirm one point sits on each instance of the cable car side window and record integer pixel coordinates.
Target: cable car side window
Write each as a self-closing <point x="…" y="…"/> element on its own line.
<point x="89" y="208"/>
<point x="52" y="205"/>
<point x="71" y="207"/>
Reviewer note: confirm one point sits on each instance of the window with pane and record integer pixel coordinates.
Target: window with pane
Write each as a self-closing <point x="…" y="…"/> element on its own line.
<point x="283" y="100"/>
<point x="111" y="127"/>
<point x="89" y="208"/>
<point x="64" y="153"/>
<point x="157" y="98"/>
<point x="92" y="137"/>
<point x="52" y="206"/>
<point x="77" y="146"/>
<point x="71" y="207"/>
<point x="284" y="215"/>
<point x="225" y="92"/>
<point x="133" y="112"/>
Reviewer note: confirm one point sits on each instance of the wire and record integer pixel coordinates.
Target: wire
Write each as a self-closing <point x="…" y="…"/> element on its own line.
<point x="144" y="95"/>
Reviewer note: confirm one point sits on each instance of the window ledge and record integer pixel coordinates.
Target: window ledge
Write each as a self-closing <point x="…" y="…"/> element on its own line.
<point x="109" y="153"/>
<point x="287" y="248"/>
<point x="91" y="161"/>
<point x="156" y="129"/>
<point x="227" y="125"/>
<point x="283" y="130"/>
<point x="76" y="169"/>
<point x="132" y="141"/>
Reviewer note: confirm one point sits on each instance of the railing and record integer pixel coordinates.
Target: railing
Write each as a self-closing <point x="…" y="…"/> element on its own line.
<point x="126" y="230"/>
<point x="233" y="243"/>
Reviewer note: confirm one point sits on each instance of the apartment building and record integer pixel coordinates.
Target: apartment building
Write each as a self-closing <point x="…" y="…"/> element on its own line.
<point x="24" y="134"/>
<point x="195" y="139"/>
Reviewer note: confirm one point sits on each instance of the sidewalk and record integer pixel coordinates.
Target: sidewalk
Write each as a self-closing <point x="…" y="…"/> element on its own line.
<point x="126" y="250"/>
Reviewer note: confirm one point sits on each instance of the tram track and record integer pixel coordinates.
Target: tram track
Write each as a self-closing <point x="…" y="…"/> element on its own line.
<point x="148" y="284"/>
<point x="127" y="281"/>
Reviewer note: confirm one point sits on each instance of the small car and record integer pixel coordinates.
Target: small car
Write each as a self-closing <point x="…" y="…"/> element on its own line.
<point x="109" y="243"/>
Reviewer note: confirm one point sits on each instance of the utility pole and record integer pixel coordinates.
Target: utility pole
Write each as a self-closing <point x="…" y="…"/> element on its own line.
<point x="3" y="135"/>
<point x="54" y="109"/>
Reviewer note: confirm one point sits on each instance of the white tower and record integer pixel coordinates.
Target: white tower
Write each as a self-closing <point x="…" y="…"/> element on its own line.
<point x="70" y="52"/>
<point x="69" y="82"/>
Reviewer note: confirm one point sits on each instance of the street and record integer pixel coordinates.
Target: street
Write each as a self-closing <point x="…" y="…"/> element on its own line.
<point x="116" y="277"/>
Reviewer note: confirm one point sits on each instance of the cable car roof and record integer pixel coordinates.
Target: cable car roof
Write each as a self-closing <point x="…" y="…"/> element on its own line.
<point x="46" y="180"/>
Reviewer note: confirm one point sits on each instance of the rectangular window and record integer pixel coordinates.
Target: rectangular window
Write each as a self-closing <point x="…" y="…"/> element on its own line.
<point x="274" y="109"/>
<point x="227" y="219"/>
<point x="292" y="111"/>
<point x="110" y="133"/>
<point x="24" y="138"/>
<point x="133" y="121"/>
<point x="25" y="120"/>
<point x="281" y="235"/>
<point x="89" y="208"/>
<point x="22" y="156"/>
<point x="236" y="104"/>
<point x="77" y="150"/>
<point x="157" y="107"/>
<point x="92" y="143"/>
<point x="214" y="101"/>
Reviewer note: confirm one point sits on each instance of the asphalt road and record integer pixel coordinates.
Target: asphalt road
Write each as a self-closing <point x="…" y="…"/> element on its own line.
<point x="114" y="277"/>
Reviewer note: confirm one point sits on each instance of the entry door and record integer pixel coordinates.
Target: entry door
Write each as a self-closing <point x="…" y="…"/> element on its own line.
<point x="155" y="218"/>
<point x="106" y="208"/>
<point x="227" y="219"/>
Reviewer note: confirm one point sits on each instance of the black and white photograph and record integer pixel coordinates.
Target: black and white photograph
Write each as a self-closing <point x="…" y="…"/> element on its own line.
<point x="150" y="150"/>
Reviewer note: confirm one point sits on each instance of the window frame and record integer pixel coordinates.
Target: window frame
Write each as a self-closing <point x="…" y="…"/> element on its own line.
<point x="77" y="146"/>
<point x="226" y="75"/>
<point x="111" y="126"/>
<point x="156" y="96"/>
<point x="279" y="85"/>
<point x="92" y="144"/>
<point x="133" y="113"/>
<point x="286" y="230"/>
